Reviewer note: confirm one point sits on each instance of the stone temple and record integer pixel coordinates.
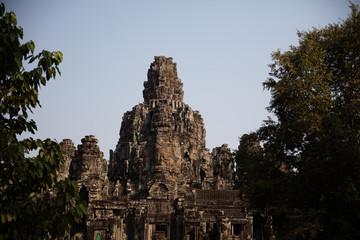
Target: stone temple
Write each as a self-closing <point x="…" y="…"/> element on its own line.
<point x="161" y="181"/>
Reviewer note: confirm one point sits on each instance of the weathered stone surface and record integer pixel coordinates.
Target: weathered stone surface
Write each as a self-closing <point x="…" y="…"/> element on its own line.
<point x="162" y="139"/>
<point x="90" y="169"/>
<point x="162" y="181"/>
<point x="163" y="82"/>
<point x="223" y="167"/>
<point x="70" y="149"/>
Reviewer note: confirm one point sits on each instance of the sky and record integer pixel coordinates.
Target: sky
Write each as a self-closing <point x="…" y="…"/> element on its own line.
<point x="222" y="50"/>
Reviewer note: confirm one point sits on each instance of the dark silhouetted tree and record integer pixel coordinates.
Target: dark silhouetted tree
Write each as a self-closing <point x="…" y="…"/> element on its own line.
<point x="307" y="174"/>
<point x="34" y="204"/>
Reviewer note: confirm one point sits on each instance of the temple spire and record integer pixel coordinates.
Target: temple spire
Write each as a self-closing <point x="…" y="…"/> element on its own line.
<point x="163" y="82"/>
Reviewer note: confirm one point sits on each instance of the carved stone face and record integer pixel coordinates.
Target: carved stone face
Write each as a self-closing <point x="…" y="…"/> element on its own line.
<point x="163" y="82"/>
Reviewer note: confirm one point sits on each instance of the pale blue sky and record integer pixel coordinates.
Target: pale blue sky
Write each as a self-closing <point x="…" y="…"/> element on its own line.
<point x="222" y="49"/>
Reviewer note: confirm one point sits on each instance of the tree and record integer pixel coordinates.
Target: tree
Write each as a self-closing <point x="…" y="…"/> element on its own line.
<point x="307" y="175"/>
<point x="34" y="203"/>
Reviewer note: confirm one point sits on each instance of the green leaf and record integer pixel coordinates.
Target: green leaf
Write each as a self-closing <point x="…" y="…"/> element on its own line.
<point x="32" y="59"/>
<point x="3" y="218"/>
<point x="13" y="18"/>
<point x="43" y="81"/>
<point x="31" y="46"/>
<point x="21" y="77"/>
<point x="58" y="57"/>
<point x="2" y="9"/>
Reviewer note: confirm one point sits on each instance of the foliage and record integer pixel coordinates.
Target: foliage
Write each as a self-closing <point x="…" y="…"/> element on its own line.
<point x="307" y="174"/>
<point x="34" y="203"/>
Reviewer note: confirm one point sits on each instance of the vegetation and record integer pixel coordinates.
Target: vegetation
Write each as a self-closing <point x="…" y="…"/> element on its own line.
<point x="34" y="203"/>
<point x="305" y="172"/>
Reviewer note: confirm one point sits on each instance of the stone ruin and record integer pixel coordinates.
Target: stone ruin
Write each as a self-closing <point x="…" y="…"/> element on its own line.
<point x="161" y="181"/>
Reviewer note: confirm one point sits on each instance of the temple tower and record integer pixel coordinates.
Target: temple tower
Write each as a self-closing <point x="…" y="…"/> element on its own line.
<point x="162" y="139"/>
